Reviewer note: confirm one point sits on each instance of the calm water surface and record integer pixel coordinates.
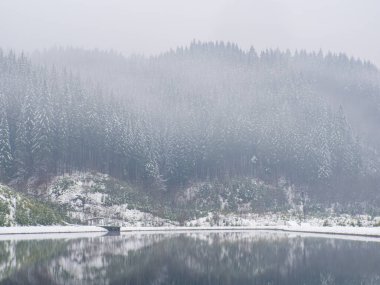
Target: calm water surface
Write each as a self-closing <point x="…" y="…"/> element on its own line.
<point x="197" y="258"/>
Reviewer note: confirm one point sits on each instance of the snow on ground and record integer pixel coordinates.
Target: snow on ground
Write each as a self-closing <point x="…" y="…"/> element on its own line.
<point x="49" y="236"/>
<point x="281" y="219"/>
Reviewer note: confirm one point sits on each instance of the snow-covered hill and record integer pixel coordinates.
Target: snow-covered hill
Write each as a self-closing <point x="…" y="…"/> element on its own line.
<point x="95" y="198"/>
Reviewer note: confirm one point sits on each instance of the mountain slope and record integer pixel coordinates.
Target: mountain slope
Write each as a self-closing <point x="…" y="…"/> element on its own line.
<point x="98" y="198"/>
<point x="203" y="113"/>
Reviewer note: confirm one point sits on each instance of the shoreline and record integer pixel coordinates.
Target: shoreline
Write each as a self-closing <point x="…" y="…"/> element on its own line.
<point x="335" y="230"/>
<point x="26" y="230"/>
<point x="373" y="232"/>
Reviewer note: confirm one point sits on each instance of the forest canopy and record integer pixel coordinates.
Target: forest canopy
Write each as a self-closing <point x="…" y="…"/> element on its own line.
<point x="203" y="112"/>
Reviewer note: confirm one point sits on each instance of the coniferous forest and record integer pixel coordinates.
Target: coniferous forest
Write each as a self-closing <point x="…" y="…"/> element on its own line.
<point x="204" y="112"/>
<point x="189" y="142"/>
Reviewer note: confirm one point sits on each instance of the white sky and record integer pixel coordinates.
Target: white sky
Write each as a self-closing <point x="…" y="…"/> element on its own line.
<point x="153" y="26"/>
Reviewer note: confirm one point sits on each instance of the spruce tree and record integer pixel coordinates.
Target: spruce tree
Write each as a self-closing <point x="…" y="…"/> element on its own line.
<point x="24" y="136"/>
<point x="5" y="148"/>
<point x="42" y="133"/>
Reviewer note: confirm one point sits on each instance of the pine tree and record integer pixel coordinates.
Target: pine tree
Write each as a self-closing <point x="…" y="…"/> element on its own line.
<point x="42" y="133"/>
<point x="5" y="149"/>
<point x="24" y="136"/>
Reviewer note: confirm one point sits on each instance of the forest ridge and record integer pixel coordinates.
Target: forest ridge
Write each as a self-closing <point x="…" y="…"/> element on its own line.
<point x="203" y="112"/>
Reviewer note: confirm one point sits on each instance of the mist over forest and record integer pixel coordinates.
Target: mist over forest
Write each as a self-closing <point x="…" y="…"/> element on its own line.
<point x="209" y="111"/>
<point x="190" y="142"/>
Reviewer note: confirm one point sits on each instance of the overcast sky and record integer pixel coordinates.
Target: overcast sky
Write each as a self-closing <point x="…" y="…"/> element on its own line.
<point x="152" y="26"/>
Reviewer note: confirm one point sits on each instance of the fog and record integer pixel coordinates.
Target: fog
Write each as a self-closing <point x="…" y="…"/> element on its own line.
<point x="150" y="27"/>
<point x="205" y="113"/>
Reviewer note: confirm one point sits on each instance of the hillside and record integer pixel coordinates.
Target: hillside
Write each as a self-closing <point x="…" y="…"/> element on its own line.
<point x="85" y="197"/>
<point x="95" y="198"/>
<point x="16" y="209"/>
<point x="198" y="115"/>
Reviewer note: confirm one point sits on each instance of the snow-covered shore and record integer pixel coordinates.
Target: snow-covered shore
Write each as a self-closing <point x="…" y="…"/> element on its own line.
<point x="50" y="229"/>
<point x="336" y="230"/>
<point x="354" y="231"/>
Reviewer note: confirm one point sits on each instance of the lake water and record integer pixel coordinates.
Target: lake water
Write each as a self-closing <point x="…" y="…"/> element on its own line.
<point x="190" y="258"/>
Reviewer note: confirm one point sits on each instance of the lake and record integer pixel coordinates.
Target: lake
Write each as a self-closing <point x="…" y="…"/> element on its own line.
<point x="190" y="258"/>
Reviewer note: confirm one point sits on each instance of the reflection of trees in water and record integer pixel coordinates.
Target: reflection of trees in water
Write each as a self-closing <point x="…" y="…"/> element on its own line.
<point x="225" y="258"/>
<point x="79" y="261"/>
<point x="16" y="255"/>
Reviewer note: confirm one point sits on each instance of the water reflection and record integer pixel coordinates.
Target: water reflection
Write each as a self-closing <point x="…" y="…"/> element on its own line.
<point x="202" y="258"/>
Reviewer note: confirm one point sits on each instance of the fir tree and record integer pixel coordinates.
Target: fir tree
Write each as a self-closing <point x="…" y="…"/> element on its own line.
<point x="42" y="133"/>
<point x="24" y="136"/>
<point x="5" y="148"/>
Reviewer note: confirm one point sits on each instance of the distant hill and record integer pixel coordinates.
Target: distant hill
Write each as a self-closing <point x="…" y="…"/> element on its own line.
<point x="205" y="112"/>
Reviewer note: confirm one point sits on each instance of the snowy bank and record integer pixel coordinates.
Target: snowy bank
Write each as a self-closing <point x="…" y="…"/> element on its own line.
<point x="50" y="236"/>
<point x="354" y="231"/>
<point x="336" y="230"/>
<point x="50" y="229"/>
